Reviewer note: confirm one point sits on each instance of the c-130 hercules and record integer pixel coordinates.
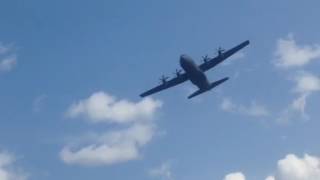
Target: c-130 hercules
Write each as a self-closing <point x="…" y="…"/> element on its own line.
<point x="195" y="73"/>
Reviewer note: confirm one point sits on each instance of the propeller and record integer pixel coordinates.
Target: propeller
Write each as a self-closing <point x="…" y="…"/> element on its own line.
<point x="164" y="79"/>
<point x="220" y="50"/>
<point x="178" y="72"/>
<point x="205" y="58"/>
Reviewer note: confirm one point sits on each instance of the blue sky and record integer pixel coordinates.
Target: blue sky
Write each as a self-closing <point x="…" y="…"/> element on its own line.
<point x="71" y="72"/>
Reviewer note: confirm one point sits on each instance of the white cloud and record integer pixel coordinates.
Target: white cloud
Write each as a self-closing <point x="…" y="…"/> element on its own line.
<point x="305" y="85"/>
<point x="116" y="145"/>
<point x="110" y="148"/>
<point x="7" y="63"/>
<point x="297" y="109"/>
<point x="102" y="107"/>
<point x="299" y="105"/>
<point x="235" y="176"/>
<point x="291" y="167"/>
<point x="38" y="103"/>
<point x="290" y="54"/>
<point x="254" y="109"/>
<point x="4" y="49"/>
<point x="270" y="178"/>
<point x="8" y="59"/>
<point x="228" y="105"/>
<point x="162" y="172"/>
<point x="295" y="168"/>
<point x="7" y="171"/>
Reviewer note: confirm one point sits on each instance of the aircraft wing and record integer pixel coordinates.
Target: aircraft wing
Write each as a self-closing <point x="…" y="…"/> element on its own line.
<point x="173" y="82"/>
<point x="223" y="56"/>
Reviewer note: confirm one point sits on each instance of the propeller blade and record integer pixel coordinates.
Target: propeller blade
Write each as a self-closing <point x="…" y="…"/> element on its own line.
<point x="178" y="71"/>
<point x="163" y="79"/>
<point x="205" y="58"/>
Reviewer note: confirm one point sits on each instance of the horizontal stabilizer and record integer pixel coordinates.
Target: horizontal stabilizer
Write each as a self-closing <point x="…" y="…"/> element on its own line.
<point x="200" y="91"/>
<point x="212" y="85"/>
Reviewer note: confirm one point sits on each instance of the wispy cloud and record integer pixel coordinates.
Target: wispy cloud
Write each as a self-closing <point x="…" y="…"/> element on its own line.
<point x="270" y="178"/>
<point x="8" y="58"/>
<point x="8" y="63"/>
<point x="39" y="102"/>
<point x="163" y="172"/>
<point x="4" y="49"/>
<point x="117" y="145"/>
<point x="7" y="169"/>
<point x="111" y="147"/>
<point x="305" y="85"/>
<point x="289" y="54"/>
<point x="254" y="109"/>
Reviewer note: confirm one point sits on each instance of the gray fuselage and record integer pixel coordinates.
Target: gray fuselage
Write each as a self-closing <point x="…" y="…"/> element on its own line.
<point x="194" y="73"/>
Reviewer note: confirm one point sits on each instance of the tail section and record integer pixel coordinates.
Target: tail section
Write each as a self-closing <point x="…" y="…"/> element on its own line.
<point x="212" y="85"/>
<point x="200" y="91"/>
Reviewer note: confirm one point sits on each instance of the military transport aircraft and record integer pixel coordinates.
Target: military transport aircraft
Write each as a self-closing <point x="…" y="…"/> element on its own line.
<point x="195" y="73"/>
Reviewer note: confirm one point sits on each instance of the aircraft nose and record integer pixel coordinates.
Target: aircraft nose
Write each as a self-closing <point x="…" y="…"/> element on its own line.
<point x="183" y="58"/>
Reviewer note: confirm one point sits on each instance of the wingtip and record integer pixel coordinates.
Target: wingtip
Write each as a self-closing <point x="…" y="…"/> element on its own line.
<point x="143" y="95"/>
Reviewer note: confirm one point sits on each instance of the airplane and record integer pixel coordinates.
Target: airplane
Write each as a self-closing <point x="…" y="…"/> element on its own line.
<point x="196" y="73"/>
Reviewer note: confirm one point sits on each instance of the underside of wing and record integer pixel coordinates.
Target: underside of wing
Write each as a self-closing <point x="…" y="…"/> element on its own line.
<point x="223" y="56"/>
<point x="173" y="82"/>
